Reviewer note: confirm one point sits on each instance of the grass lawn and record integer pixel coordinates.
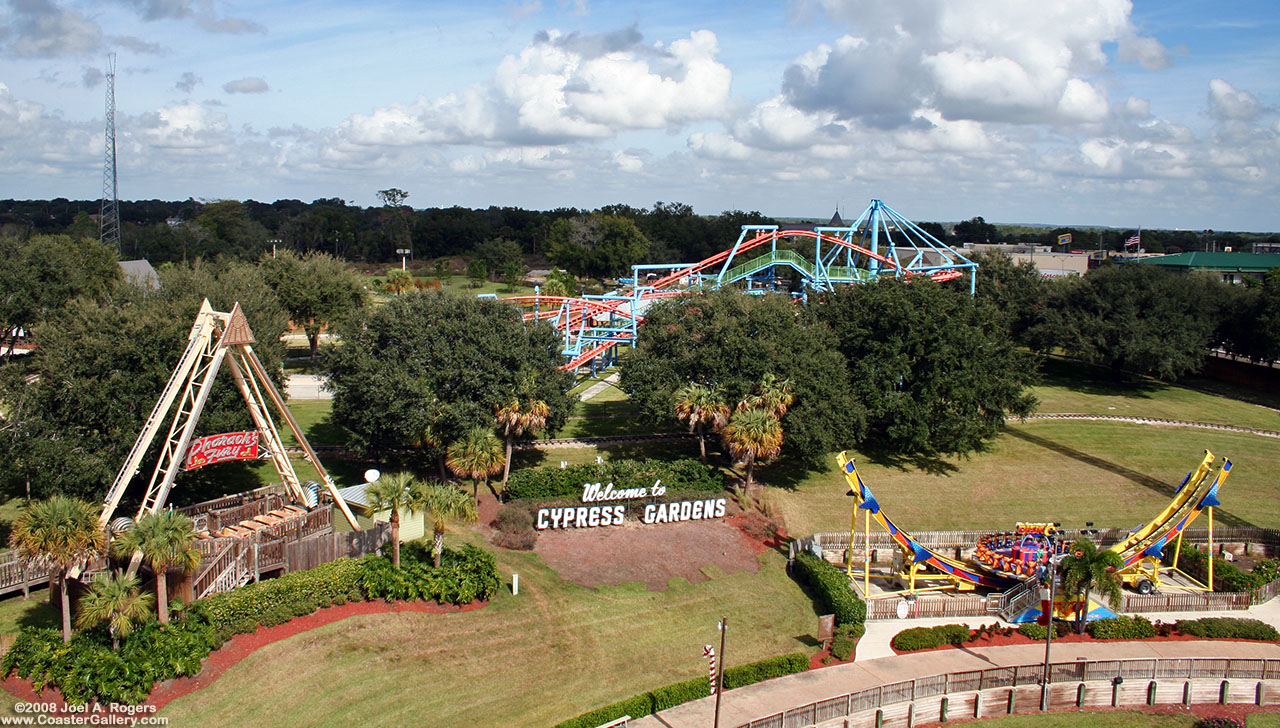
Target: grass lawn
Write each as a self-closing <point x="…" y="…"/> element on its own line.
<point x="1113" y="474"/>
<point x="313" y="416"/>
<point x="1068" y="386"/>
<point x="1263" y="720"/>
<point x="553" y="652"/>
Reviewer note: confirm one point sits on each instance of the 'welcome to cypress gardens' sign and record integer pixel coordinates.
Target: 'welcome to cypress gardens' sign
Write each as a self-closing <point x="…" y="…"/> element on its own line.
<point x="593" y="515"/>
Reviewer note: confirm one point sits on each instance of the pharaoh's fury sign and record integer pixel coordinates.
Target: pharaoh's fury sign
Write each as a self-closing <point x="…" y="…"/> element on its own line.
<point x="591" y="515"/>
<point x="222" y="448"/>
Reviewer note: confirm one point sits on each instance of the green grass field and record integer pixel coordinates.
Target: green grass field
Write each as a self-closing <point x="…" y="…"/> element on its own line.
<point x="552" y="652"/>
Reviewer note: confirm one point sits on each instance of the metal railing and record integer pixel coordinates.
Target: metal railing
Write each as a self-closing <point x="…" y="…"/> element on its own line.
<point x="1013" y="676"/>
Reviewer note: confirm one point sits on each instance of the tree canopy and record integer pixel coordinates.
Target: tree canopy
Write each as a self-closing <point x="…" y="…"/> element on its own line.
<point x="439" y="362"/>
<point x="933" y="366"/>
<point x="1134" y="317"/>
<point x="315" y="288"/>
<point x="728" y="341"/>
<point x="41" y="273"/>
<point x="76" y="405"/>
<point x="596" y="246"/>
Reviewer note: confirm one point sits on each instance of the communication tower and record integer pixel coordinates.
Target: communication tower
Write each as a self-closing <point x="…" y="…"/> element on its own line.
<point x="109" y="214"/>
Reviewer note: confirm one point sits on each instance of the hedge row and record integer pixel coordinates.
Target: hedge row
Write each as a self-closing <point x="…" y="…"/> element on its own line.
<point x="1229" y="628"/>
<point x="88" y="669"/>
<point x="682" y="692"/>
<point x="1122" y="628"/>
<point x="678" y="476"/>
<point x="1226" y="575"/>
<point x="830" y="586"/>
<point x="1040" y="632"/>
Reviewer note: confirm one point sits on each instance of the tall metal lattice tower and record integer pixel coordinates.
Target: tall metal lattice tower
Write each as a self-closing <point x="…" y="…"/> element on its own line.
<point x="109" y="214"/>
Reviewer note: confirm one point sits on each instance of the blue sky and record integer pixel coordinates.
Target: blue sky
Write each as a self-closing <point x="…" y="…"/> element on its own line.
<point x="1159" y="114"/>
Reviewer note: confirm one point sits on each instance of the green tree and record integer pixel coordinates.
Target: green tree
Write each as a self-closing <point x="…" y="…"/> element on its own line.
<point x="728" y="342"/>
<point x="477" y="272"/>
<point x="753" y="435"/>
<point x="934" y="367"/>
<point x="1087" y="568"/>
<point x="101" y="365"/>
<point x="439" y="360"/>
<point x="498" y="253"/>
<point x="596" y="246"/>
<point x="393" y="493"/>
<point x="477" y="455"/>
<point x="116" y="600"/>
<point x="399" y="281"/>
<point x="60" y="532"/>
<point x="1016" y="290"/>
<point x="976" y="230"/>
<point x="515" y="418"/>
<point x="443" y="504"/>
<point x="42" y="273"/>
<point x="316" y="289"/>
<point x="234" y="232"/>
<point x="559" y="283"/>
<point x="166" y="540"/>
<point x="700" y="405"/>
<point x="1134" y="317"/>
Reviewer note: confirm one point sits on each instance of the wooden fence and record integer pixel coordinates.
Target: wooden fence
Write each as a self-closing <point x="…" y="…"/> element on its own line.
<point x="1020" y="597"/>
<point x="1016" y="688"/>
<point x="309" y="553"/>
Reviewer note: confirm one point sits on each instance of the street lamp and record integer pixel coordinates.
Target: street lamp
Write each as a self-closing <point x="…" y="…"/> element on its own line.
<point x="1054" y="559"/>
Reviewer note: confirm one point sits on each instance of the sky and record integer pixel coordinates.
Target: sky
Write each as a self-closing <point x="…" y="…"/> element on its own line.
<point x="1151" y="113"/>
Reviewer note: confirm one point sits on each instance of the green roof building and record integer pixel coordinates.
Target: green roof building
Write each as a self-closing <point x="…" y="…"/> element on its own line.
<point x="1231" y="267"/>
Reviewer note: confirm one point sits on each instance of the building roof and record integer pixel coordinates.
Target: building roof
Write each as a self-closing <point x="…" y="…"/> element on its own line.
<point x="836" y="221"/>
<point x="140" y="273"/>
<point x="356" y="495"/>
<point x="1200" y="260"/>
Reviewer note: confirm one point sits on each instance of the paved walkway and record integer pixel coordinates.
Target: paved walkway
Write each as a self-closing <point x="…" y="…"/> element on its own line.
<point x="306" y="386"/>
<point x="598" y="387"/>
<point x="876" y="665"/>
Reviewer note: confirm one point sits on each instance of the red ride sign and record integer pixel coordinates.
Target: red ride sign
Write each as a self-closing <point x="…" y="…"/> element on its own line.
<point x="222" y="448"/>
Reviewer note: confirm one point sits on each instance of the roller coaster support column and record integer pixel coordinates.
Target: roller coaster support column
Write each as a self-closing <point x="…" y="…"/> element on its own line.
<point x="873" y="221"/>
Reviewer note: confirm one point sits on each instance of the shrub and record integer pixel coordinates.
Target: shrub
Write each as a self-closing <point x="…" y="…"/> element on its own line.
<point x="1038" y="632"/>
<point x="952" y="634"/>
<point x="1226" y="575"/>
<point x="830" y="587"/>
<point x="851" y="630"/>
<point x="680" y="476"/>
<point x="681" y="692"/>
<point x="1229" y="628"/>
<point x="1122" y="628"/>
<point x="915" y="638"/>
<point x="515" y="529"/>
<point x="842" y="647"/>
<point x="1219" y="722"/>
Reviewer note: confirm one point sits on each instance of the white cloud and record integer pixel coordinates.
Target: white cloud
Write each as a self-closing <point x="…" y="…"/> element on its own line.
<point x="41" y="29"/>
<point x="249" y="85"/>
<point x="1225" y="102"/>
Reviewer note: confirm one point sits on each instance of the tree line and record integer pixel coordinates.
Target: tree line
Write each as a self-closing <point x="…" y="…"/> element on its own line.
<point x="164" y="231"/>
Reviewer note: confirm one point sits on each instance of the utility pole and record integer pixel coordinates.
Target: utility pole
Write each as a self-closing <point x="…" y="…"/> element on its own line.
<point x="724" y="629"/>
<point x="1048" y="637"/>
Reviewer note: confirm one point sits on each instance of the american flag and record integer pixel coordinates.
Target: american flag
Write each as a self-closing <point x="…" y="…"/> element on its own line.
<point x="1134" y="240"/>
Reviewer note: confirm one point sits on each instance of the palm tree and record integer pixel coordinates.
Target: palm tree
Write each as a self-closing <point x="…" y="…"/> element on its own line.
<point x="753" y="435"/>
<point x="477" y="455"/>
<point x="443" y="504"/>
<point x="395" y="493"/>
<point x="514" y="419"/>
<point x="60" y="532"/>
<point x="772" y="395"/>
<point x="1087" y="569"/>
<point x="701" y="405"/>
<point x="114" y="598"/>
<point x="165" y="540"/>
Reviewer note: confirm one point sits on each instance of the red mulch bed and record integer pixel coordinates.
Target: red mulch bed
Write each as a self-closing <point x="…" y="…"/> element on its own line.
<point x="242" y="645"/>
<point x="999" y="640"/>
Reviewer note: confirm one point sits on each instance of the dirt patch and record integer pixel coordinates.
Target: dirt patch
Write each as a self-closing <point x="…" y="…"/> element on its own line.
<point x="651" y="554"/>
<point x="241" y="646"/>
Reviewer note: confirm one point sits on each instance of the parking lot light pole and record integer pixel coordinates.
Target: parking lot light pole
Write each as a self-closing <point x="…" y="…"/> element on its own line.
<point x="1048" y="637"/>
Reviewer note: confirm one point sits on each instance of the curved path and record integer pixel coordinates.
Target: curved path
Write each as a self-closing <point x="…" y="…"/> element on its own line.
<point x="876" y="664"/>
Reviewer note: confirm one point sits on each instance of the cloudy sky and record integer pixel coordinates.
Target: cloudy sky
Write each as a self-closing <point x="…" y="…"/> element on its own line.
<point x="1159" y="113"/>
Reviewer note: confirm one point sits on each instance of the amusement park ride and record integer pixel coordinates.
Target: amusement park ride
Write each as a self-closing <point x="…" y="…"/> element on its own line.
<point x="880" y="243"/>
<point x="1004" y="560"/>
<point x="216" y="339"/>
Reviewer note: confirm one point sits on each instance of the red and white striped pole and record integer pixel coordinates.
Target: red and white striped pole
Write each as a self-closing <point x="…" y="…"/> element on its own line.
<point x="709" y="652"/>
